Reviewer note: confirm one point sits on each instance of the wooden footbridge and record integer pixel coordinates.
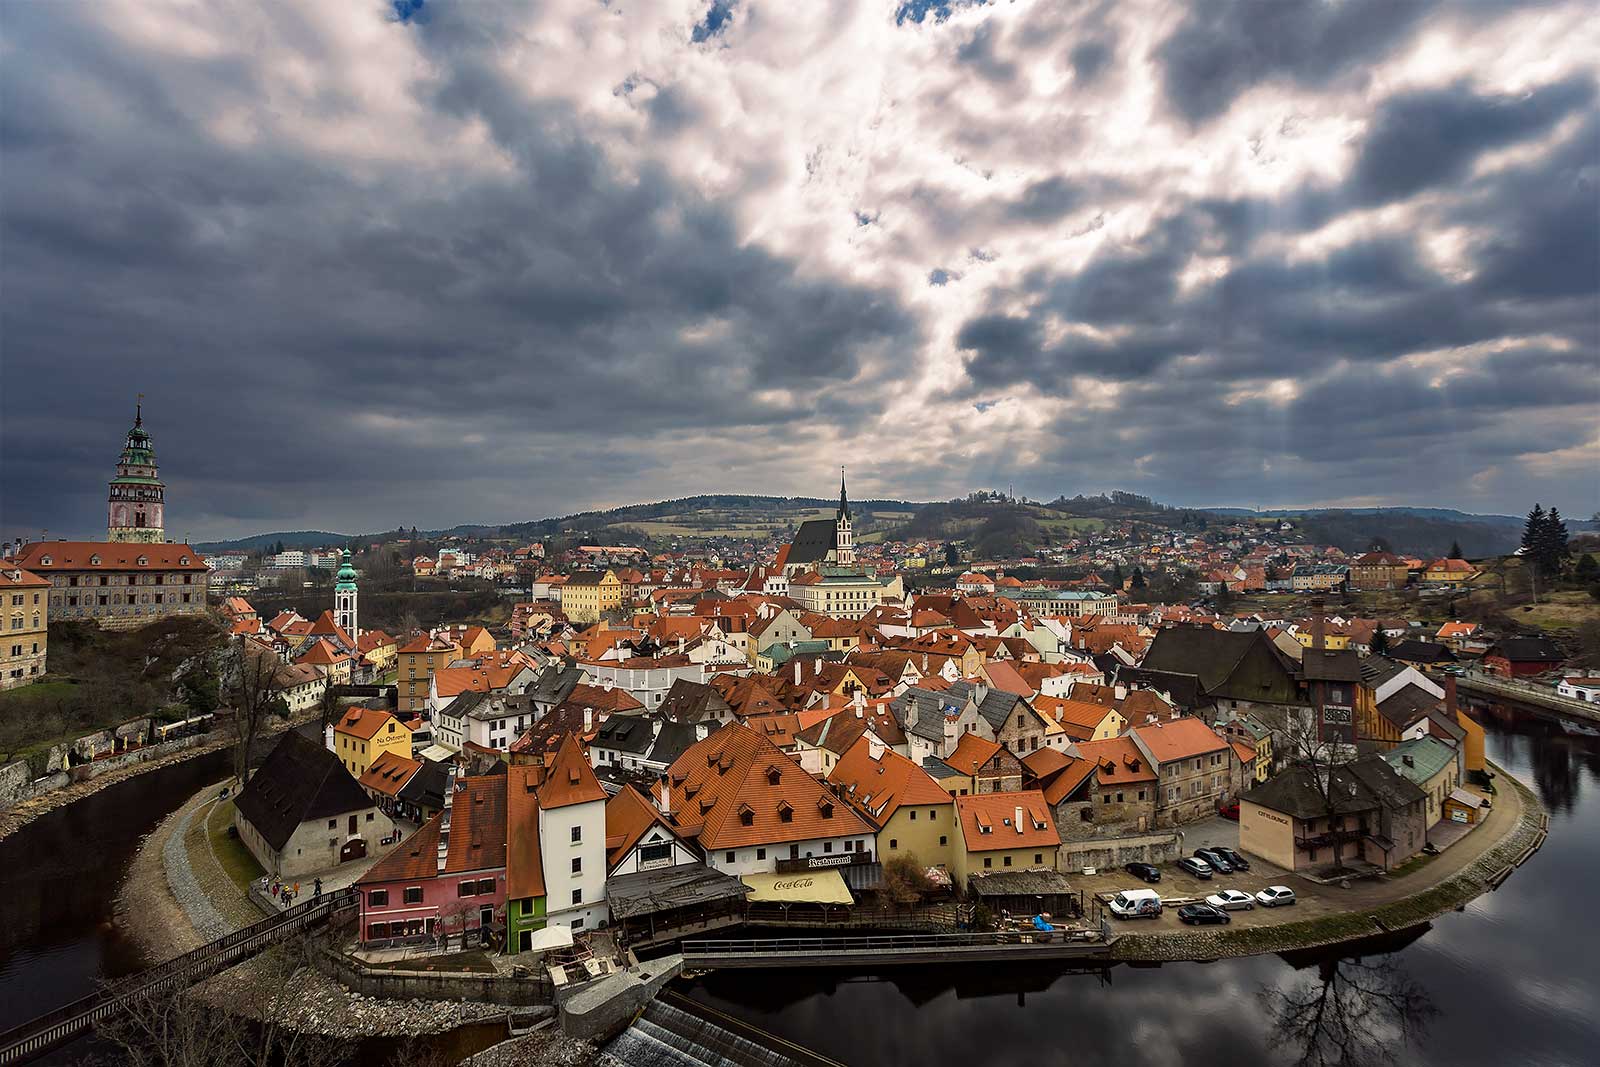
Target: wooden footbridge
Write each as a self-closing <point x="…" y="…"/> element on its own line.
<point x="71" y="1021"/>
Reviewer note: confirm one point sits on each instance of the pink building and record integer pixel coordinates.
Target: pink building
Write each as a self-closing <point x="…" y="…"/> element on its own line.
<point x="450" y="877"/>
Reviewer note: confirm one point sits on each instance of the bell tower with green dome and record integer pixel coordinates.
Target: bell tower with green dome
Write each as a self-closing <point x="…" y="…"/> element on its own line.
<point x="344" y="597"/>
<point x="137" y="498"/>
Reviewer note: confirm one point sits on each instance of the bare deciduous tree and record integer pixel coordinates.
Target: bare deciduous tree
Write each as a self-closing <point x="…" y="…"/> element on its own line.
<point x="252" y="670"/>
<point x="1355" y="1013"/>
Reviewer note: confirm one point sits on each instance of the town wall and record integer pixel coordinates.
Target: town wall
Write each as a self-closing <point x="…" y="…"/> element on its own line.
<point x="1108" y="853"/>
<point x="17" y="782"/>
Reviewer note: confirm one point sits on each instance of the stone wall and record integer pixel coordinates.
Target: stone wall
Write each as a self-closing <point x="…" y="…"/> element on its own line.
<point x="1108" y="853"/>
<point x="435" y="985"/>
<point x="18" y="784"/>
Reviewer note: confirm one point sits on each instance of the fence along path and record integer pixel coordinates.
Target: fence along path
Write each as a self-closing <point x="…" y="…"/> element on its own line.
<point x="39" y="1035"/>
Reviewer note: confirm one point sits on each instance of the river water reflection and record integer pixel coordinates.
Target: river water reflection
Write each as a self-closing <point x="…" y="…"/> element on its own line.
<point x="1514" y="979"/>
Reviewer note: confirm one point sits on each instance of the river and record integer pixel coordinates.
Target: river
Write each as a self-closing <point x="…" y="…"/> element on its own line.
<point x="1511" y="980"/>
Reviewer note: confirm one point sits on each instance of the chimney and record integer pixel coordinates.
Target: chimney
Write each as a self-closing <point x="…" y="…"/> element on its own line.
<point x="607" y="683"/>
<point x="797" y="675"/>
<point x="664" y="797"/>
<point x="1319" y="625"/>
<point x="911" y="712"/>
<point x="1016" y="819"/>
<point x="327" y="737"/>
<point x="443" y="854"/>
<point x="980" y="693"/>
<point x="874" y="750"/>
<point x="1450" y="697"/>
<point x="1120" y="690"/>
<point x="588" y="720"/>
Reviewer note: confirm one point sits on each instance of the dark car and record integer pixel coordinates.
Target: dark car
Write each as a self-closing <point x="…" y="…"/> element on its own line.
<point x="1199" y="868"/>
<point x="1238" y="862"/>
<point x="1144" y="871"/>
<point x="1203" y="915"/>
<point x="1215" y="858"/>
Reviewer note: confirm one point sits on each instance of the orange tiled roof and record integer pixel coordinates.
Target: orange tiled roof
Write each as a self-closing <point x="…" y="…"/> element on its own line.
<point x="629" y="815"/>
<point x="1119" y="761"/>
<point x="477" y="836"/>
<point x="363" y="723"/>
<point x="1176" y="739"/>
<point x="569" y="779"/>
<point x="524" y="864"/>
<point x="881" y="786"/>
<point x="737" y="788"/>
<point x="988" y="821"/>
<point x="389" y="773"/>
<point x="972" y="752"/>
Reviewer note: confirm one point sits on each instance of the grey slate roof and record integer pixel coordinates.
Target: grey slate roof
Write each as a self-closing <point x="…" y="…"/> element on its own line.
<point x="299" y="780"/>
<point x="689" y="701"/>
<point x="996" y="707"/>
<point x="1185" y="688"/>
<point x="1238" y="666"/>
<point x="931" y="705"/>
<point x="1375" y="670"/>
<point x="1330" y="665"/>
<point x="555" y="684"/>
<point x="1428" y="756"/>
<point x="1414" y="651"/>
<point x="426" y="787"/>
<point x="1407" y="705"/>
<point x="1363" y="784"/>
<point x="813" y="541"/>
<point x="1527" y="650"/>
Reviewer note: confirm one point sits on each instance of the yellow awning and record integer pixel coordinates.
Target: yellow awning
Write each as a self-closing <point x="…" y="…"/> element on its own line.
<point x="801" y="887"/>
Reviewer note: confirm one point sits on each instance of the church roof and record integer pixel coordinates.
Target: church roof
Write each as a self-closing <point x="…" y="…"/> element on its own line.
<point x="812" y="542"/>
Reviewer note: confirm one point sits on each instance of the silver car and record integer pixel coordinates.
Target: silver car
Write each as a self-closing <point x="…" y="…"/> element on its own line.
<point x="1275" y="895"/>
<point x="1231" y="900"/>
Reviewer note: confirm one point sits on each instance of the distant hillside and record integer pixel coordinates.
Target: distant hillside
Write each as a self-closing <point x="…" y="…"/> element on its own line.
<point x="294" y="539"/>
<point x="1409" y="532"/>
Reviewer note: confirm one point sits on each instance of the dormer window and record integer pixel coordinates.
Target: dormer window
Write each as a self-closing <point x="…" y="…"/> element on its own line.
<point x="143" y="561"/>
<point x="45" y="561"/>
<point x="825" y="806"/>
<point x="785" y="811"/>
<point x="94" y="561"/>
<point x="774" y="776"/>
<point x="183" y="561"/>
<point x="747" y="815"/>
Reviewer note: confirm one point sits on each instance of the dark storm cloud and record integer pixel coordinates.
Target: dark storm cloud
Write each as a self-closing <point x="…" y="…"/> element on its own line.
<point x="1224" y="47"/>
<point x="342" y="336"/>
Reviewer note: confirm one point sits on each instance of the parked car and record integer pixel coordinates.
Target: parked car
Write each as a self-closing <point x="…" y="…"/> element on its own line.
<point x="1136" y="904"/>
<point x="1199" y="868"/>
<point x="1202" y="915"/>
<point x="1238" y="862"/>
<point x="1231" y="900"/>
<point x="1215" y="858"/>
<point x="1144" y="871"/>
<point x="1229" y="810"/>
<point x="1275" y="895"/>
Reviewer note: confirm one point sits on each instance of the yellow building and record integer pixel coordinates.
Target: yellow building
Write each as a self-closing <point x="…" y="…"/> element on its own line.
<point x="418" y="660"/>
<point x="1334" y="638"/>
<point x="587" y="595"/>
<point x="378" y="649"/>
<point x="839" y="593"/>
<point x="25" y="616"/>
<point x="913" y="815"/>
<point x="363" y="734"/>
<point x="1003" y="831"/>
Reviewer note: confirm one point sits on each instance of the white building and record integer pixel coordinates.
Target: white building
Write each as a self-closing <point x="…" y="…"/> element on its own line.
<point x="572" y="840"/>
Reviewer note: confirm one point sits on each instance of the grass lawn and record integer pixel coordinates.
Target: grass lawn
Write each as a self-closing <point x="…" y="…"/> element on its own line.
<point x="236" y="860"/>
<point x="47" y="689"/>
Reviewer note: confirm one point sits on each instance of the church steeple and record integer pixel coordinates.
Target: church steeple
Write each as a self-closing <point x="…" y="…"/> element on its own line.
<point x="137" y="498"/>
<point x="844" y="552"/>
<point x="344" y="597"/>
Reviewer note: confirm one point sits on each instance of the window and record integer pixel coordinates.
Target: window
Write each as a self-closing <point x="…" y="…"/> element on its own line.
<point x="988" y="861"/>
<point x="761" y="853"/>
<point x="375" y="931"/>
<point x="485" y="887"/>
<point x="913" y="816"/>
<point x="943" y="840"/>
<point x="1038" y="858"/>
<point x="378" y="898"/>
<point x="577" y="865"/>
<point x="577" y="896"/>
<point x="413" y="894"/>
<point x="1008" y="861"/>
<point x="827" y="846"/>
<point x="332" y="823"/>
<point x="577" y="835"/>
<point x="793" y="848"/>
<point x="467" y="889"/>
<point x="370" y="816"/>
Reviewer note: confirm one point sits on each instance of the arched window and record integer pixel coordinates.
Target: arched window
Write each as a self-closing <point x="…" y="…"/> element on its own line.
<point x="94" y="561"/>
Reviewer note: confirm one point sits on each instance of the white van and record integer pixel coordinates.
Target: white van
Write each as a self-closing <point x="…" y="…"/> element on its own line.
<point x="1136" y="904"/>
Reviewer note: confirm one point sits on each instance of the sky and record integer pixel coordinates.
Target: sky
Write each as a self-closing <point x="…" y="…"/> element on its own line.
<point x="422" y="263"/>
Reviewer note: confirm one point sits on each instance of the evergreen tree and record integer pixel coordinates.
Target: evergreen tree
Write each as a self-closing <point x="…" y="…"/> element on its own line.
<point x="1587" y="569"/>
<point x="1138" y="579"/>
<point x="1531" y="531"/>
<point x="1455" y="550"/>
<point x="1380" y="642"/>
<point x="1116" y="576"/>
<point x="1553" y="551"/>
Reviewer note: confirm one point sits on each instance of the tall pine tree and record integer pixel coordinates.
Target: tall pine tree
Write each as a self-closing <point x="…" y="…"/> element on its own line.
<point x="1531" y="531"/>
<point x="1553" y="543"/>
<point x="1455" y="550"/>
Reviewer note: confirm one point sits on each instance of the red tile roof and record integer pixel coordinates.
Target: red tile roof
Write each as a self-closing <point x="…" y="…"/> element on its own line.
<point x="972" y="752"/>
<point x="1119" y="761"/>
<point x="113" y="556"/>
<point x="524" y="864"/>
<point x="477" y="836"/>
<point x="389" y="773"/>
<point x="1176" y="739"/>
<point x="363" y="722"/>
<point x="880" y="786"/>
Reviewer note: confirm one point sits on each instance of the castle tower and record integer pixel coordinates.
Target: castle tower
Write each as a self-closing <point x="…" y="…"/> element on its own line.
<point x="134" y="506"/>
<point x="843" y="539"/>
<point x="344" y="597"/>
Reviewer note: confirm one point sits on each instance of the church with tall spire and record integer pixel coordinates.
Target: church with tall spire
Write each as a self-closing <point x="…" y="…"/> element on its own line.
<point x="137" y="498"/>
<point x="821" y="568"/>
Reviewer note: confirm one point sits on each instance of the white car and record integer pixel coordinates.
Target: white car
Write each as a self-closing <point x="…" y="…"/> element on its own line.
<point x="1231" y="900"/>
<point x="1274" y="895"/>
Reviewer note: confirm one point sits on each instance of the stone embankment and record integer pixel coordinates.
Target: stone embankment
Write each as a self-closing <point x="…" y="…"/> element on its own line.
<point x="64" y="790"/>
